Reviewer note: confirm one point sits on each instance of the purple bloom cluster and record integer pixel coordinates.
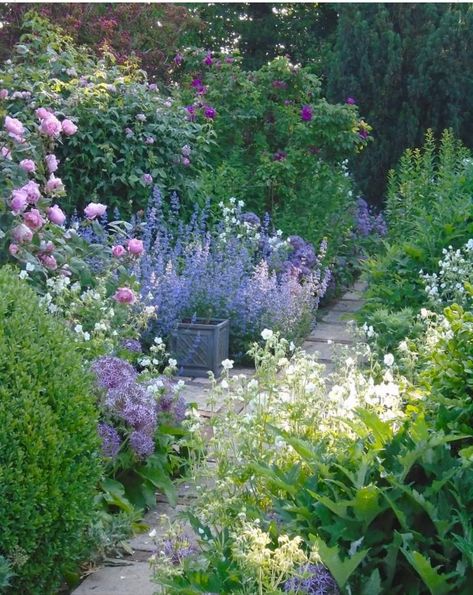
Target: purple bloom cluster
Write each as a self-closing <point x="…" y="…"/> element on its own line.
<point x="197" y="270"/>
<point x="178" y="549"/>
<point x="132" y="345"/>
<point x="279" y="84"/>
<point x="306" y="113"/>
<point x="111" y="440"/>
<point x="127" y="401"/>
<point x="279" y="156"/>
<point x="312" y="579"/>
<point x="368" y="222"/>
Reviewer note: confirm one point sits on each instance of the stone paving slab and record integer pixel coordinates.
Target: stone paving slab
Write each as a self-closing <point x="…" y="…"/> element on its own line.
<point x="336" y="317"/>
<point x="347" y="305"/>
<point x="323" y="350"/>
<point x="325" y="332"/>
<point x="352" y="295"/>
<point x="132" y="579"/>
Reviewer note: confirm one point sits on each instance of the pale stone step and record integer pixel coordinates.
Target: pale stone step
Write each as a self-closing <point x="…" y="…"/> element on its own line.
<point x="352" y="295"/>
<point x="347" y="305"/>
<point x="134" y="578"/>
<point x="323" y="351"/>
<point x="329" y="332"/>
<point x="336" y="317"/>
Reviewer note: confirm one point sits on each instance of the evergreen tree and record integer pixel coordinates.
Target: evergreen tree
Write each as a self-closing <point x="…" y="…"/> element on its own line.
<point x="409" y="68"/>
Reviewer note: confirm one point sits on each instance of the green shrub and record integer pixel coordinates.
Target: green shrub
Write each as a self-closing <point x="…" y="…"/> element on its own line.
<point x="49" y="462"/>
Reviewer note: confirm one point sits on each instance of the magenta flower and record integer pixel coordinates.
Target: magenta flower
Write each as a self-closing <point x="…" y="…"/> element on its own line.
<point x="186" y="161"/>
<point x="279" y="156"/>
<point x="229" y="59"/>
<point x="125" y="295"/>
<point x="279" y="84"/>
<point x="32" y="191"/>
<point x="42" y="113"/>
<point x="19" y="201"/>
<point x="208" y="60"/>
<point x="14" y="128"/>
<point x="68" y="127"/>
<point x="118" y="251"/>
<point x="191" y="112"/>
<point x="3" y="93"/>
<point x="147" y="179"/>
<point x="178" y="59"/>
<point x="22" y="234"/>
<point x="210" y="112"/>
<point x="306" y="113"/>
<point x="350" y="101"/>
<point x="56" y="215"/>
<point x="28" y="165"/>
<point x="94" y="210"/>
<point x="135" y="247"/>
<point x="50" y="126"/>
<point x="33" y="219"/>
<point x="52" y="163"/>
<point x="13" y="249"/>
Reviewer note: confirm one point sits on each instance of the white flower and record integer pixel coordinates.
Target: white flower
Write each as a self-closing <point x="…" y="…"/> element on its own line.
<point x="389" y="359"/>
<point x="224" y="384"/>
<point x="78" y="328"/>
<point x="267" y="334"/>
<point x="152" y="533"/>
<point x="158" y="340"/>
<point x="23" y="275"/>
<point x="30" y="266"/>
<point x="172" y="363"/>
<point x="227" y="364"/>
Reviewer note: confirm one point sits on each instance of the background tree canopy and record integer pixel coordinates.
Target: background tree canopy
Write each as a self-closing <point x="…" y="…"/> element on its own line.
<point x="407" y="65"/>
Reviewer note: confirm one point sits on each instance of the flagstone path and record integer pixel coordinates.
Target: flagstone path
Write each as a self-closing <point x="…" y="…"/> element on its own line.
<point x="132" y="575"/>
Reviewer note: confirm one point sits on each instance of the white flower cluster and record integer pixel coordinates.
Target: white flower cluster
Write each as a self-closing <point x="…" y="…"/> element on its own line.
<point x="454" y="280"/>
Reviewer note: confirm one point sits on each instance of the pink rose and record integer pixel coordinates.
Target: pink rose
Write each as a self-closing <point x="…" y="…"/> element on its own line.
<point x="135" y="247"/>
<point x="52" y="163"/>
<point x="6" y="153"/>
<point x="47" y="247"/>
<point x="54" y="184"/>
<point x="42" y="113"/>
<point x="118" y="251"/>
<point x="13" y="249"/>
<point x="94" y="209"/>
<point x="50" y="126"/>
<point x="14" y="127"/>
<point x="48" y="261"/>
<point x="56" y="215"/>
<point x="124" y="295"/>
<point x="28" y="165"/>
<point x="68" y="127"/>
<point x="22" y="233"/>
<point x="32" y="190"/>
<point x="19" y="200"/>
<point x="3" y="93"/>
<point x="33" y="219"/>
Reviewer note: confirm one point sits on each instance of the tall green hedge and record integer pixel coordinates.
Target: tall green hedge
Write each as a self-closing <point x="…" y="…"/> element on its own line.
<point x="49" y="462"/>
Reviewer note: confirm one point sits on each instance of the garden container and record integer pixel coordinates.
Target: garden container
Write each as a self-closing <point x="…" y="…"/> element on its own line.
<point x="200" y="346"/>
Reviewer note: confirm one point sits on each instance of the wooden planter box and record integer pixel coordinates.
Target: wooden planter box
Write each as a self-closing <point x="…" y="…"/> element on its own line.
<point x="200" y="346"/>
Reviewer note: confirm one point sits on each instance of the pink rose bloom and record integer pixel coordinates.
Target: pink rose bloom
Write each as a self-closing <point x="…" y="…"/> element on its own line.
<point x="50" y="126"/>
<point x="124" y="295"/>
<point x="42" y="113"/>
<point x="3" y="93"/>
<point x="47" y="247"/>
<point x="32" y="190"/>
<point x="68" y="127"/>
<point x="94" y="209"/>
<point x="118" y="251"/>
<point x="14" y="127"/>
<point x="19" y="200"/>
<point x="22" y="233"/>
<point x="33" y="219"/>
<point x="186" y="161"/>
<point x="54" y="184"/>
<point x="56" y="215"/>
<point x="147" y="179"/>
<point x="6" y="153"/>
<point x="28" y="165"/>
<point x="135" y="247"/>
<point x="48" y="261"/>
<point x="13" y="249"/>
<point x="52" y="163"/>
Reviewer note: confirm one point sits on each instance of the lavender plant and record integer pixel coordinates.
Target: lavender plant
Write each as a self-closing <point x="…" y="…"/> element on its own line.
<point x="232" y="266"/>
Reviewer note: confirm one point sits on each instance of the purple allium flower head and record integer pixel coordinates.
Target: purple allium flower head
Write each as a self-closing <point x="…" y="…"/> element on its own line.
<point x="279" y="84"/>
<point x="210" y="112"/>
<point x="350" y="101"/>
<point x="112" y="372"/>
<point x="147" y="179"/>
<point x="199" y="86"/>
<point x="134" y="404"/>
<point x="111" y="441"/>
<point x="208" y="60"/>
<point x="306" y="113"/>
<point x="132" y="345"/>
<point x="250" y="218"/>
<point x="178" y="59"/>
<point x="152" y="87"/>
<point x="141" y="443"/>
<point x="279" y="156"/>
<point x="312" y="579"/>
<point x="186" y="151"/>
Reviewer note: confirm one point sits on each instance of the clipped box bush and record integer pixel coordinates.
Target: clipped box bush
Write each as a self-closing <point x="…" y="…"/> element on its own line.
<point x="49" y="462"/>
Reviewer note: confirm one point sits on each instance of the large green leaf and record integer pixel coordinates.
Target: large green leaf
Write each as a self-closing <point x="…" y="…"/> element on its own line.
<point x="436" y="582"/>
<point x="341" y="569"/>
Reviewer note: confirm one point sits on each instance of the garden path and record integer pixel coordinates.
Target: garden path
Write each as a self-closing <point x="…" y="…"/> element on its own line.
<point x="132" y="575"/>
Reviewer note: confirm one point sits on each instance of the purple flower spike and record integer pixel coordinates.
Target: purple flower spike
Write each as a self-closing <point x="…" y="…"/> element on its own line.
<point x="111" y="441"/>
<point x="306" y="113"/>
